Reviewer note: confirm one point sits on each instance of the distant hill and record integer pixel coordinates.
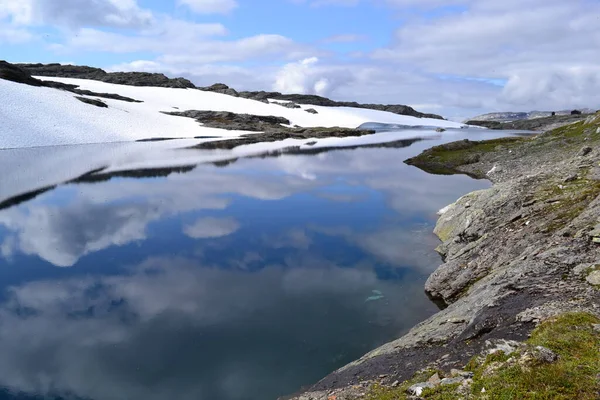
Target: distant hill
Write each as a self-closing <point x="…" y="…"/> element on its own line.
<point x="519" y="116"/>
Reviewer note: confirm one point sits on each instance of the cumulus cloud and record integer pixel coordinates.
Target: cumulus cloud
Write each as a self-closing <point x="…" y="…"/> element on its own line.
<point x="543" y="49"/>
<point x="306" y="77"/>
<point x="210" y="227"/>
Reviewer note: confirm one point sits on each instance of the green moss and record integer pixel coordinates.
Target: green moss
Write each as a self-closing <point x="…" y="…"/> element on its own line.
<point x="566" y="201"/>
<point x="573" y="376"/>
<point x="445" y="159"/>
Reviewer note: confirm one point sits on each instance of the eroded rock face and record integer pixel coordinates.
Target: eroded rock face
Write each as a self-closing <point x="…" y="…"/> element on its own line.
<point x="514" y="255"/>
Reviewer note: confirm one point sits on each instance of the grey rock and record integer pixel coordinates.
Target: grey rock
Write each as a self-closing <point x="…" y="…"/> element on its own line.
<point x="544" y="355"/>
<point x="311" y="111"/>
<point x="593" y="278"/>
<point x="440" y="130"/>
<point x="289" y="104"/>
<point x="435" y="379"/>
<point x="586" y="150"/>
<point x="460" y="373"/>
<point x="452" y="381"/>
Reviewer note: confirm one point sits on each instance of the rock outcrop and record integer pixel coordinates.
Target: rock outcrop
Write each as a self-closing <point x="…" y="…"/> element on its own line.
<point x="271" y="128"/>
<point x="515" y="255"/>
<point x="120" y="78"/>
<point x="14" y="73"/>
<point x="309" y="99"/>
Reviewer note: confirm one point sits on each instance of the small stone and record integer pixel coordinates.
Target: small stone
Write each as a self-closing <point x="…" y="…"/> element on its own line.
<point x="593" y="278"/>
<point x="395" y="384"/>
<point x="311" y="111"/>
<point x="440" y="130"/>
<point x="596" y="327"/>
<point x="452" y="381"/>
<point x="544" y="355"/>
<point x="382" y="376"/>
<point x="435" y="379"/>
<point x="456" y="320"/>
<point x="457" y="372"/>
<point x="585" y="151"/>
<point x="571" y="178"/>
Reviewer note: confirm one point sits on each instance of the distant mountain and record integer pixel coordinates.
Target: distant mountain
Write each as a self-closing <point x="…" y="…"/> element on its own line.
<point x="519" y="116"/>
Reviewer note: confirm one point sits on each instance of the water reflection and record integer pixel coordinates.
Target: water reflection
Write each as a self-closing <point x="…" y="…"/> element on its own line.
<point x="238" y="282"/>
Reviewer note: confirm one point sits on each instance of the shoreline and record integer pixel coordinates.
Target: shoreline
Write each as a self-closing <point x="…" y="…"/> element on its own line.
<point x="514" y="256"/>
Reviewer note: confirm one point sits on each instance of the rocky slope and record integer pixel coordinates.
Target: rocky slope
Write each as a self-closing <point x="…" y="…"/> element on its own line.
<point x="534" y="124"/>
<point x="160" y="80"/>
<point x="515" y="255"/>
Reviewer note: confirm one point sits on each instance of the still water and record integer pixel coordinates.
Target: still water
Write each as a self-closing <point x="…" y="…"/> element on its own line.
<point x="239" y="280"/>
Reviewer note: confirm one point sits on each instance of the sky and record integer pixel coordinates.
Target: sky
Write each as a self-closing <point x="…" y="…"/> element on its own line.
<point x="457" y="58"/>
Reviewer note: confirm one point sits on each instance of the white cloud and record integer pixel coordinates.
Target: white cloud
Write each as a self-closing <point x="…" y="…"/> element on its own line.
<point x="307" y="77"/>
<point x="210" y="227"/>
<point x="544" y="49"/>
<point x="210" y="6"/>
<point x="74" y="14"/>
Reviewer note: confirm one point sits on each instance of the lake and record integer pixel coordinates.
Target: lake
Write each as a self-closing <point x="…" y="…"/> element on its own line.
<point x="243" y="277"/>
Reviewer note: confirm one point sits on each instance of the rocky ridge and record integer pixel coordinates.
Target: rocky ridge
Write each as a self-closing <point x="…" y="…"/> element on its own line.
<point x="270" y="128"/>
<point x="14" y="73"/>
<point x="97" y="74"/>
<point x="515" y="255"/>
<point x="160" y="80"/>
<point x="309" y="99"/>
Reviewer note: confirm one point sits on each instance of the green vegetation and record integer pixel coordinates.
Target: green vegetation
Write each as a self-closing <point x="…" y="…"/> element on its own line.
<point x="566" y="200"/>
<point x="445" y="159"/>
<point x="574" y="376"/>
<point x="515" y="377"/>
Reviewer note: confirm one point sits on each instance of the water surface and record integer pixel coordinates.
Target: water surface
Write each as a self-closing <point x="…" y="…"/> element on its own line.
<point x="240" y="280"/>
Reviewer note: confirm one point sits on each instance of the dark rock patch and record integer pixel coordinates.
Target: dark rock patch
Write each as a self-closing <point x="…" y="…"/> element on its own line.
<point x="311" y="111"/>
<point x="271" y="128"/>
<point x="233" y="121"/>
<point x="92" y="102"/>
<point x="14" y="73"/>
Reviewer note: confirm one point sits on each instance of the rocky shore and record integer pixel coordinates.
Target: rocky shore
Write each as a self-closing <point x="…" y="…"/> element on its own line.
<point x="519" y="283"/>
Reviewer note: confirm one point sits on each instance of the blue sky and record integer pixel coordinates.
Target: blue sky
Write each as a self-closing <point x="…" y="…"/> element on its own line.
<point x="454" y="57"/>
